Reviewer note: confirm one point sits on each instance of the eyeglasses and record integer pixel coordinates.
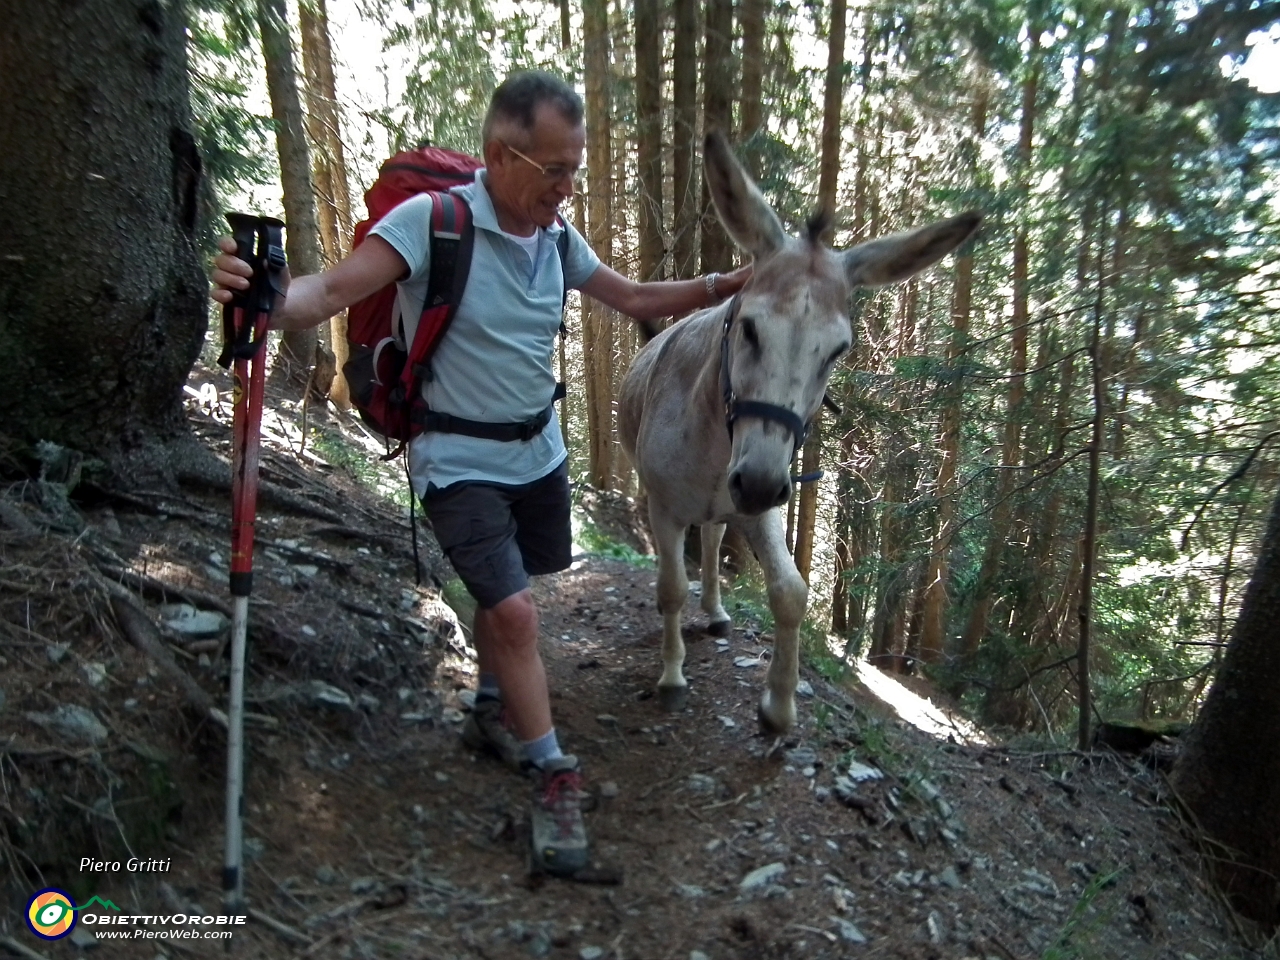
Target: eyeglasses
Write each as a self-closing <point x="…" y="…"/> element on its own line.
<point x="552" y="173"/>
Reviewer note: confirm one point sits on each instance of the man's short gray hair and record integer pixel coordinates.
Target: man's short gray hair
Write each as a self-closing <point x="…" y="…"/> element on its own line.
<point x="518" y="97"/>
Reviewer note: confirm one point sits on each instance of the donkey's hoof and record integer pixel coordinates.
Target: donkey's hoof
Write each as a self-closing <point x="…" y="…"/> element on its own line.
<point x="673" y="699"/>
<point x="720" y="628"/>
<point x="770" y="721"/>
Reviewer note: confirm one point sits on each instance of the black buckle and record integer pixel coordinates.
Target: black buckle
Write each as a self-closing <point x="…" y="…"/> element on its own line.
<point x="529" y="429"/>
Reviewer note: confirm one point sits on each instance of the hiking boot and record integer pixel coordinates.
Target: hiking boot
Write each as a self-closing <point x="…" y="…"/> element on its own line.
<point x="559" y="835"/>
<point x="485" y="729"/>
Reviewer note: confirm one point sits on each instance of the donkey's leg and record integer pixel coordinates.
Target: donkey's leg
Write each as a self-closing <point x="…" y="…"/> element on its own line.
<point x="712" y="534"/>
<point x="788" y="595"/>
<point x="673" y="590"/>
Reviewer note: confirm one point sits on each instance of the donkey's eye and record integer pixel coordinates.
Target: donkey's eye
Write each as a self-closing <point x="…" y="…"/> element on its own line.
<point x="749" y="332"/>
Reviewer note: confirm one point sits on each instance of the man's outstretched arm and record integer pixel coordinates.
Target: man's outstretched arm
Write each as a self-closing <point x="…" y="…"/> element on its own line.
<point x="649" y="301"/>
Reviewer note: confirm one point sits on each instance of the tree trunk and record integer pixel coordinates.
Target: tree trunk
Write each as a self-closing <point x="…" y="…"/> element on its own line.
<point x="976" y="625"/>
<point x="846" y="612"/>
<point x="622" y="223"/>
<point x="684" y="198"/>
<point x="888" y="623"/>
<point x="302" y="238"/>
<point x="648" y="41"/>
<point x="566" y="33"/>
<point x="330" y="167"/>
<point x="807" y="508"/>
<point x="833" y="98"/>
<point x="1229" y="772"/>
<point x="828" y="175"/>
<point x="598" y="330"/>
<point x="102" y="295"/>
<point x="1089" y="543"/>
<point x="1042" y="548"/>
<point x="717" y="114"/>
<point x="751" y="119"/>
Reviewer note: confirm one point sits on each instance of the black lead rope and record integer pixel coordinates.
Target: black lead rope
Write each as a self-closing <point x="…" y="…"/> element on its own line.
<point x="735" y="408"/>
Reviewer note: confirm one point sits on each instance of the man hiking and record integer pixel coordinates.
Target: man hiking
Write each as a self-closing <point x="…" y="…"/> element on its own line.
<point x="500" y="508"/>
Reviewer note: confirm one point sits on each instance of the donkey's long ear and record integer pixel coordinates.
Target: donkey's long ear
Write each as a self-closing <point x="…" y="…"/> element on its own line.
<point x="902" y="255"/>
<point x="743" y="210"/>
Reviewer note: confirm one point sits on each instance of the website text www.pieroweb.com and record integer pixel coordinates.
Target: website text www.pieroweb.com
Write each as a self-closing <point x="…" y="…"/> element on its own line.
<point x="175" y="926"/>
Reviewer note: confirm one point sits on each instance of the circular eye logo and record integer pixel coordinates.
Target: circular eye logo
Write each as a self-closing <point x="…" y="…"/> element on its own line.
<point x="51" y="914"/>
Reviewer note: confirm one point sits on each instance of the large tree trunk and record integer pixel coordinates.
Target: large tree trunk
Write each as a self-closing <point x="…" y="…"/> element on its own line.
<point x="933" y="617"/>
<point x="684" y="198"/>
<point x="330" y="167"/>
<point x="888" y="636"/>
<point x="302" y="238"/>
<point x="751" y="118"/>
<point x="1229" y="772"/>
<point x="1089" y="541"/>
<point x="102" y="296"/>
<point x="828" y="179"/>
<point x="622" y="223"/>
<point x="597" y="340"/>
<point x="648" y="41"/>
<point x="717" y="114"/>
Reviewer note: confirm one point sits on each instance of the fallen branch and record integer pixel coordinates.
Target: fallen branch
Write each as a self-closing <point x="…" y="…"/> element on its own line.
<point x="164" y="591"/>
<point x="18" y="949"/>
<point x="350" y="908"/>
<point x="367" y="536"/>
<point x="323" y="942"/>
<point x="305" y="554"/>
<point x="142" y="633"/>
<point x="15" y="749"/>
<point x="16" y="519"/>
<point x="283" y="929"/>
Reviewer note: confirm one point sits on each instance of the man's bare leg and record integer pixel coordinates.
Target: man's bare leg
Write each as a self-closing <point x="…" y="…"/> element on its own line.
<point x="506" y="639"/>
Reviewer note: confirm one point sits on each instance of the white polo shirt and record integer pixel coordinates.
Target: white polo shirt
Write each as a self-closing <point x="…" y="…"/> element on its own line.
<point x="496" y="362"/>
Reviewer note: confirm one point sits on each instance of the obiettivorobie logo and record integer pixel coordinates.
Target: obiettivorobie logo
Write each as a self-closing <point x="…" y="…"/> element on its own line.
<point x="51" y="913"/>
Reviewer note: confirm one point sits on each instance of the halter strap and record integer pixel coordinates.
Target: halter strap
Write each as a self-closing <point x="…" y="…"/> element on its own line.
<point x="735" y="408"/>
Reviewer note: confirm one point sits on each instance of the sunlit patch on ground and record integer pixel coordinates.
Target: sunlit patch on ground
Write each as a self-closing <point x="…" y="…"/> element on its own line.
<point x="921" y="713"/>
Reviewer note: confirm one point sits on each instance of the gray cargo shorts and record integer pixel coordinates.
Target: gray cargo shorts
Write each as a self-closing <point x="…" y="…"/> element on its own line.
<point x="497" y="535"/>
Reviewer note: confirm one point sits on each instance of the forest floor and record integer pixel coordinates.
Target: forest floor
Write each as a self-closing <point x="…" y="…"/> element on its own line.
<point x="881" y="827"/>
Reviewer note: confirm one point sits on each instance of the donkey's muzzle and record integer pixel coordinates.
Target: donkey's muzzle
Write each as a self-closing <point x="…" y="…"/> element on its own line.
<point x="754" y="492"/>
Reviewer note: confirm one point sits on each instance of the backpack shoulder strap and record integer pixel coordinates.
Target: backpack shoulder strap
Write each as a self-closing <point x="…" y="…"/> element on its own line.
<point x="453" y="236"/>
<point x="562" y="249"/>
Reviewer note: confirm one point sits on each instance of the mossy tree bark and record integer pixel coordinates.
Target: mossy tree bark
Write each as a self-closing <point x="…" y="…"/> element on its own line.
<point x="103" y="301"/>
<point x="1229" y="771"/>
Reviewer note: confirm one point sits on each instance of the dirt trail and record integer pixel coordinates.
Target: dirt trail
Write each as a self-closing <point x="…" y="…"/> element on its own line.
<point x="374" y="833"/>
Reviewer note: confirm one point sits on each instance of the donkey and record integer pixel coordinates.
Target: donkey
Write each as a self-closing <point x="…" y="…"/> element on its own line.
<point x="714" y="409"/>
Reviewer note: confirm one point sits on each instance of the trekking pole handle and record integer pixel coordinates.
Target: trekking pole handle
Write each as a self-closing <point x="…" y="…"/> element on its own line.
<point x="271" y="262"/>
<point x="259" y="243"/>
<point x="244" y="230"/>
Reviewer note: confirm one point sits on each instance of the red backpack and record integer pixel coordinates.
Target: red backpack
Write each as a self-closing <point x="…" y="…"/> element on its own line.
<point x="387" y="359"/>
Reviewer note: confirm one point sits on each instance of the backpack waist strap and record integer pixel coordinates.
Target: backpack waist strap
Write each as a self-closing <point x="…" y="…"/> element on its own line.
<point x="435" y="422"/>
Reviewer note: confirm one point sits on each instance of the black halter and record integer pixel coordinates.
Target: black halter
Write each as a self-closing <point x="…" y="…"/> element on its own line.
<point x="735" y="408"/>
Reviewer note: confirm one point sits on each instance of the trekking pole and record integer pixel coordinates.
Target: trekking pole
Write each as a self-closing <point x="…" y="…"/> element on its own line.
<point x="244" y="325"/>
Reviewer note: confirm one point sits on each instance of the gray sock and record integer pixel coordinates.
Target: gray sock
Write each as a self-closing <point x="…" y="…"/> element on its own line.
<point x="488" y="689"/>
<point x="545" y="748"/>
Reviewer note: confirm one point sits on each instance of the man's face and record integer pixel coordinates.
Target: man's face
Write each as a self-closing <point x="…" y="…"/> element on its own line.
<point x="523" y="191"/>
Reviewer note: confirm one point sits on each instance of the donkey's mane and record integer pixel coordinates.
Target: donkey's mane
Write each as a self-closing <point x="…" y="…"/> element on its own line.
<point x="818" y="223"/>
